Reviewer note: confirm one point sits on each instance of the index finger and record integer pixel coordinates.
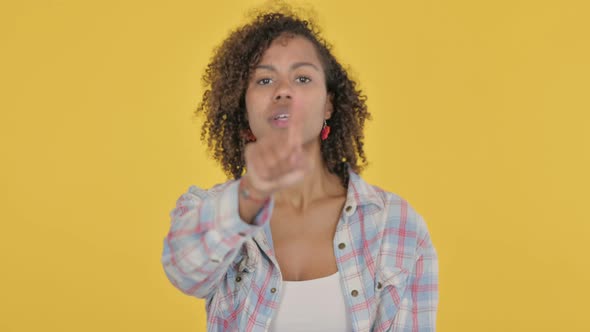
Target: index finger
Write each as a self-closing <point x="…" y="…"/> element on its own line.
<point x="295" y="128"/>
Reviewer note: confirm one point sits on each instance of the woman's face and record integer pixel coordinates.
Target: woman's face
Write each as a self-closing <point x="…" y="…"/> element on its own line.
<point x="288" y="79"/>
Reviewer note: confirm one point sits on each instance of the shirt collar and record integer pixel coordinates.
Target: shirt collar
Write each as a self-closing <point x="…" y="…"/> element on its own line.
<point x="362" y="193"/>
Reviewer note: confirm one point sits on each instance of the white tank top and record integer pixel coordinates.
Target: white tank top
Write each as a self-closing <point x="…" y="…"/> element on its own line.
<point x="312" y="305"/>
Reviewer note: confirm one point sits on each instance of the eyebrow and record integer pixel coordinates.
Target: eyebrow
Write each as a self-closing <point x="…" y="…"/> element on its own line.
<point x="293" y="66"/>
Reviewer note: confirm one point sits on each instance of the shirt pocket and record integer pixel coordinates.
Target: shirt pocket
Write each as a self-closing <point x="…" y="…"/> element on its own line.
<point x="236" y="284"/>
<point x="390" y="286"/>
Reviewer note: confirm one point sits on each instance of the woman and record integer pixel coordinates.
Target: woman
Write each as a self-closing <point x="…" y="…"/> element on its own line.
<point x="297" y="240"/>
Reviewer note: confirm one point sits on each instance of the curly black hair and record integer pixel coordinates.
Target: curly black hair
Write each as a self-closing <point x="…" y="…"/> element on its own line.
<point x="226" y="79"/>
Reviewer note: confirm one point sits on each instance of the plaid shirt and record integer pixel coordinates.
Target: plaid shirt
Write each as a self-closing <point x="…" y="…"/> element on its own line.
<point x="387" y="262"/>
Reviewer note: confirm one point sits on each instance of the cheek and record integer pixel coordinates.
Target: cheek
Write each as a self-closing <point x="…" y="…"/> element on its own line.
<point x="314" y="123"/>
<point x="251" y="106"/>
<point x="253" y="101"/>
<point x="254" y="108"/>
<point x="248" y="99"/>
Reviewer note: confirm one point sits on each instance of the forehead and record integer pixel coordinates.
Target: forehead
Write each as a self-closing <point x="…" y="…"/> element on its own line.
<point x="290" y="48"/>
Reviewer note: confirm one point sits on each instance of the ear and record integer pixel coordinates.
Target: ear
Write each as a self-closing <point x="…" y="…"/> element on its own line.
<point x="329" y="107"/>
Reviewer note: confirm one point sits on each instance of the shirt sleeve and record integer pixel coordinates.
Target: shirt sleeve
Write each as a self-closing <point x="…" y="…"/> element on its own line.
<point x="205" y="235"/>
<point x="419" y="303"/>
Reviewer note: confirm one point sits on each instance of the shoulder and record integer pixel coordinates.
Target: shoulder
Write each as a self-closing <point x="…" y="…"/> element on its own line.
<point x="194" y="194"/>
<point x="207" y="192"/>
<point x="191" y="199"/>
<point x="397" y="216"/>
<point x="400" y="212"/>
<point x="395" y="203"/>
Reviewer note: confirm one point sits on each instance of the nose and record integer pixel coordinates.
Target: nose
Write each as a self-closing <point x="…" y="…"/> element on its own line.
<point x="283" y="92"/>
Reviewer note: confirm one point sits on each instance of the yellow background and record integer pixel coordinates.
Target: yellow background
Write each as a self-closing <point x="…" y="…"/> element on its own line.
<point x="480" y="121"/>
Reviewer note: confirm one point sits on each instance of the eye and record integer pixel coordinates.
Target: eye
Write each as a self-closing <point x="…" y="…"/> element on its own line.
<point x="263" y="81"/>
<point x="303" y="79"/>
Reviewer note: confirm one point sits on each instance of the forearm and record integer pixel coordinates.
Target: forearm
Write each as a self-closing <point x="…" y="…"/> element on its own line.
<point x="205" y="235"/>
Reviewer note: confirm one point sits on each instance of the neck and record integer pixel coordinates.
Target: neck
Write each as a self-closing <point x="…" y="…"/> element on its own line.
<point x="318" y="183"/>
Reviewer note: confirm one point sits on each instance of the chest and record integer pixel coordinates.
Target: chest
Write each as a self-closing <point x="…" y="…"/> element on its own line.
<point x="366" y="257"/>
<point x="303" y="243"/>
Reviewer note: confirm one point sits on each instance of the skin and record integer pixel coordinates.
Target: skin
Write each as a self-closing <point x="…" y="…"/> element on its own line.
<point x="287" y="162"/>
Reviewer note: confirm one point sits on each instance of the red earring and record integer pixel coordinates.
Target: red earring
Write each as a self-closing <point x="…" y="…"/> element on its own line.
<point x="248" y="135"/>
<point x="325" y="131"/>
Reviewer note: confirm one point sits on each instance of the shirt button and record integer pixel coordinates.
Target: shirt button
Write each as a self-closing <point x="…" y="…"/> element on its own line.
<point x="341" y="245"/>
<point x="242" y="234"/>
<point x="348" y="208"/>
<point x="273" y="290"/>
<point x="379" y="285"/>
<point x="354" y="293"/>
<point x="238" y="279"/>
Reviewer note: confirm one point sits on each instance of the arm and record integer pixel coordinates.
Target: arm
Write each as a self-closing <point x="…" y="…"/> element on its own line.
<point x="205" y="235"/>
<point x="419" y="304"/>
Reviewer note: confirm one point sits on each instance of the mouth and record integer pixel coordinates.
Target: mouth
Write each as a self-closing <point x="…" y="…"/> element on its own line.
<point x="282" y="116"/>
<point x="280" y="120"/>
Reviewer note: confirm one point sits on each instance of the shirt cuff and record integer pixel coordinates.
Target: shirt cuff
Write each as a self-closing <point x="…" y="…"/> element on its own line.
<point x="232" y="224"/>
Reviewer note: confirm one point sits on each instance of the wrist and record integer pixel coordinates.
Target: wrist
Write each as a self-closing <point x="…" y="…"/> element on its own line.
<point x="249" y="193"/>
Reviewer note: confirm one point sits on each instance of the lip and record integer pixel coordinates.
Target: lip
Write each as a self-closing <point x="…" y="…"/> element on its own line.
<point x="279" y="123"/>
<point x="279" y="111"/>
